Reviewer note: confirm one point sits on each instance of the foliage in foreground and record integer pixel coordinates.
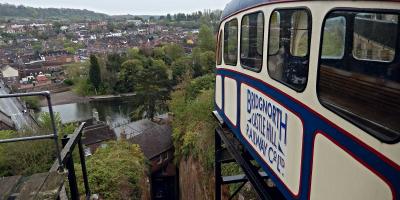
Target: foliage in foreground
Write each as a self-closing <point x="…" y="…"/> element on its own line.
<point x="193" y="124"/>
<point x="32" y="102"/>
<point x="26" y="158"/>
<point x="115" y="171"/>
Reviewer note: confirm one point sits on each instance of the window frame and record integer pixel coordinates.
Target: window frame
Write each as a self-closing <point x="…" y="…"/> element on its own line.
<point x="237" y="38"/>
<point x="309" y="19"/>
<point x="258" y="69"/>
<point x="372" y="128"/>
<point x="219" y="53"/>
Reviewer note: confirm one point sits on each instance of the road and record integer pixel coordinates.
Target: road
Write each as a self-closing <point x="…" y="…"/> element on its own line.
<point x="13" y="108"/>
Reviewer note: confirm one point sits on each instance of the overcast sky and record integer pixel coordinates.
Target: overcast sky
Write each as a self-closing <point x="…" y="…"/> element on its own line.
<point x="134" y="7"/>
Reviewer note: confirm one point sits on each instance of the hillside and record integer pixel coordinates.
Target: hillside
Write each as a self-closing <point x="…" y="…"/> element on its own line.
<point x="8" y="11"/>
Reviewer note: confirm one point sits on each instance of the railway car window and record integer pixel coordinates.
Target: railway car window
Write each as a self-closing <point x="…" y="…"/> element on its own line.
<point x="219" y="49"/>
<point x="334" y="38"/>
<point x="362" y="84"/>
<point x="252" y="41"/>
<point x="289" y="41"/>
<point x="231" y="42"/>
<point x="367" y="44"/>
<point x="274" y="31"/>
<point x="299" y="34"/>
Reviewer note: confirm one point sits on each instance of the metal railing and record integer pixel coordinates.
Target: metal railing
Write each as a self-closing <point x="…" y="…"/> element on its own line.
<point x="69" y="143"/>
<point x="53" y="136"/>
<point x="64" y="156"/>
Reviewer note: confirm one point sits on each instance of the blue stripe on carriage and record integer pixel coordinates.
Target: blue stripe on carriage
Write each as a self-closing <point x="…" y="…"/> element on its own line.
<point x="312" y="123"/>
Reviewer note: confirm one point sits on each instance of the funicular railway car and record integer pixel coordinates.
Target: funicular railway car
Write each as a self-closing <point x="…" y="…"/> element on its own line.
<point x="311" y="89"/>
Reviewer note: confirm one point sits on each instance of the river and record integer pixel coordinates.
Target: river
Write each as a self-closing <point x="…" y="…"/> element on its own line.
<point x="114" y="110"/>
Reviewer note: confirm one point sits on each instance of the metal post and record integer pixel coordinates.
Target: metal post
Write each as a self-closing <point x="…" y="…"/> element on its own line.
<point x="73" y="186"/>
<point x="218" y="178"/>
<point x="53" y="124"/>
<point x="83" y="165"/>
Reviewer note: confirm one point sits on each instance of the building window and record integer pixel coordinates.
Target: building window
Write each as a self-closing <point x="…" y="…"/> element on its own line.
<point x="288" y="49"/>
<point x="252" y="41"/>
<point x="231" y="42"/>
<point x="363" y="85"/>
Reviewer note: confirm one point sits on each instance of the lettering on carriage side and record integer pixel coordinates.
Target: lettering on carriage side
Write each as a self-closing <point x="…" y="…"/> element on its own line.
<point x="267" y="128"/>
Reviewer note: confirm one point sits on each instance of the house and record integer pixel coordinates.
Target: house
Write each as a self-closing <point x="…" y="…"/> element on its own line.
<point x="9" y="73"/>
<point x="41" y="78"/>
<point x="95" y="136"/>
<point x="155" y="140"/>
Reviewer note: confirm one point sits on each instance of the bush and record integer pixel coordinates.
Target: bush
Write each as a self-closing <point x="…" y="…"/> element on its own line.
<point x="115" y="171"/>
<point x="32" y="102"/>
<point x="68" y="82"/>
<point x="30" y="157"/>
<point x="84" y="88"/>
<point x="193" y="134"/>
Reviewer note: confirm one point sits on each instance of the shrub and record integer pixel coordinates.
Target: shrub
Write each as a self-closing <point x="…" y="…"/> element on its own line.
<point x="68" y="82"/>
<point x="116" y="170"/>
<point x="32" y="102"/>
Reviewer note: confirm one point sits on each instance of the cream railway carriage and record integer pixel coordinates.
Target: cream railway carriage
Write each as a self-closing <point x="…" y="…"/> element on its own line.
<point x="312" y="90"/>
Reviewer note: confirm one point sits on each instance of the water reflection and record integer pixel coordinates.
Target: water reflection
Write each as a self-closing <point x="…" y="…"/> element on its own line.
<point x="116" y="111"/>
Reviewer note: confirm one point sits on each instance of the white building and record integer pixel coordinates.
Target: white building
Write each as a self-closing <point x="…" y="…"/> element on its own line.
<point x="9" y="73"/>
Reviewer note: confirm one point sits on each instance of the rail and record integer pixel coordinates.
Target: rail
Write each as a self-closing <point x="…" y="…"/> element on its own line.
<point x="53" y="136"/>
<point x="64" y="156"/>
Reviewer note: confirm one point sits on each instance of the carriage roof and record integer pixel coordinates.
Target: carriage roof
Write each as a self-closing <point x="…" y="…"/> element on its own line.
<point x="239" y="5"/>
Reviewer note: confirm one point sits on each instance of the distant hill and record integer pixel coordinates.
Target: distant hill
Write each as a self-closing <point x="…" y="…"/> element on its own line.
<point x="8" y="11"/>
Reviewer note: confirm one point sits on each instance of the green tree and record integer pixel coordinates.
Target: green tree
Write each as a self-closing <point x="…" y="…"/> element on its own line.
<point x="152" y="89"/>
<point x="181" y="68"/>
<point x="113" y="66"/>
<point x="207" y="62"/>
<point x="70" y="50"/>
<point x="129" y="75"/>
<point x="173" y="52"/>
<point x="94" y="72"/>
<point x="197" y="68"/>
<point x="206" y="38"/>
<point x="159" y="53"/>
<point x="116" y="171"/>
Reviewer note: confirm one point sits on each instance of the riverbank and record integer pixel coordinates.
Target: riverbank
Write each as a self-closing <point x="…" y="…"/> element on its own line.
<point x="64" y="98"/>
<point x="68" y="97"/>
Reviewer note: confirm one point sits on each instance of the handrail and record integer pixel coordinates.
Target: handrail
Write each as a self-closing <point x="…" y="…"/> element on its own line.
<point x="73" y="140"/>
<point x="69" y="143"/>
<point x="54" y="136"/>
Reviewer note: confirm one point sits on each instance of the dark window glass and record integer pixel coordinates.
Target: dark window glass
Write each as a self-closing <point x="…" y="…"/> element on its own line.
<point x="252" y="41"/>
<point x="231" y="42"/>
<point x="288" y="47"/>
<point x="359" y="74"/>
<point x="367" y="43"/>
<point x="219" y="49"/>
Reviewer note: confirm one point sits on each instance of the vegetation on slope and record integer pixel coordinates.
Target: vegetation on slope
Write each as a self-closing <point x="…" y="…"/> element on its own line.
<point x="26" y="158"/>
<point x="193" y="124"/>
<point x="116" y="171"/>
